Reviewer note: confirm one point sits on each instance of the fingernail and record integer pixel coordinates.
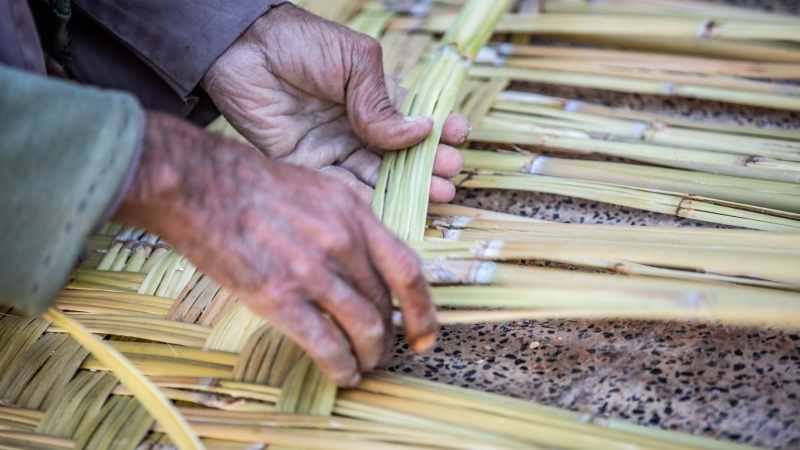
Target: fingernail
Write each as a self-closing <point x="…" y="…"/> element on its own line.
<point x="414" y="118"/>
<point x="425" y="343"/>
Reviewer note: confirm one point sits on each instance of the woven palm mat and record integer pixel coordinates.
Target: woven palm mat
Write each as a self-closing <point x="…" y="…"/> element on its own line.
<point x="735" y="383"/>
<point x="231" y="374"/>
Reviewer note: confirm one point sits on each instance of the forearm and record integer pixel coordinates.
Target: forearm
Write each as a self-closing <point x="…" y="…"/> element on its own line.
<point x="176" y="161"/>
<point x="156" y="187"/>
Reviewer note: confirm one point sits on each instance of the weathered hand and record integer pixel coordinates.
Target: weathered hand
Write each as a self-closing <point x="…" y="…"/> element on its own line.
<point x="292" y="244"/>
<point x="312" y="93"/>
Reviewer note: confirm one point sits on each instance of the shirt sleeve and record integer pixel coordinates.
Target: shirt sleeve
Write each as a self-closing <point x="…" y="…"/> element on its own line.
<point x="178" y="39"/>
<point x="65" y="153"/>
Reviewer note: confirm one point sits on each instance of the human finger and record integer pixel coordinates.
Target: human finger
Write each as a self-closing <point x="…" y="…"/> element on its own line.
<point x="448" y="161"/>
<point x="370" y="283"/>
<point x="401" y="271"/>
<point x="456" y="129"/>
<point x="442" y="190"/>
<point x="371" y="111"/>
<point x="358" y="317"/>
<point x="322" y="339"/>
<point x="364" y="164"/>
<point x="323" y="144"/>
<point x="364" y="192"/>
<point x="397" y="93"/>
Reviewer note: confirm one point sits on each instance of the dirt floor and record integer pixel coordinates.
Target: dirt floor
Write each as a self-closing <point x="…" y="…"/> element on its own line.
<point x="737" y="384"/>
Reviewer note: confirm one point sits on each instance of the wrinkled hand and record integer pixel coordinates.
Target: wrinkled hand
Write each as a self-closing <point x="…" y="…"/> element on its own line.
<point x="292" y="244"/>
<point x="312" y="93"/>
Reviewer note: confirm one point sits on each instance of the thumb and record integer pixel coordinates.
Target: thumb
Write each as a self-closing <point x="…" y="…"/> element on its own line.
<point x="370" y="110"/>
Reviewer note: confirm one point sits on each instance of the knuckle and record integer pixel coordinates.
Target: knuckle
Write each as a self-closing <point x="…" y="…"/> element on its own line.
<point x="373" y="174"/>
<point x="407" y="269"/>
<point x="305" y="269"/>
<point x="337" y="240"/>
<point x="329" y="350"/>
<point x="365" y="193"/>
<point x="336" y="360"/>
<point x="371" y="47"/>
<point x="367" y="54"/>
<point x="375" y="330"/>
<point x="279" y="304"/>
<point x="379" y="295"/>
<point x="353" y="182"/>
<point x="352" y="204"/>
<point x="372" y="343"/>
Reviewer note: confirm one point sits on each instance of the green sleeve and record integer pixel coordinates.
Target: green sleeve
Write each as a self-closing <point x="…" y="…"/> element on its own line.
<point x="65" y="150"/>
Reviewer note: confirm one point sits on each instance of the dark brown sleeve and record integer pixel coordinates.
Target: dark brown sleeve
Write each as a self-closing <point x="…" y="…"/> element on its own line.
<point x="178" y="39"/>
<point x="158" y="50"/>
<point x="19" y="42"/>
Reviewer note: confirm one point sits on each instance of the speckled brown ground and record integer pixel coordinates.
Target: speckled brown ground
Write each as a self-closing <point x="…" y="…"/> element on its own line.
<point x="737" y="384"/>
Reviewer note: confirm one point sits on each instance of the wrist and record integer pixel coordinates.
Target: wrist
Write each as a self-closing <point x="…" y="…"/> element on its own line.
<point x="158" y="190"/>
<point x="248" y="46"/>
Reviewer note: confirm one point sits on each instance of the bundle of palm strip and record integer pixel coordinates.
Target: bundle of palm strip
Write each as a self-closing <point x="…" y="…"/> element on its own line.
<point x="403" y="186"/>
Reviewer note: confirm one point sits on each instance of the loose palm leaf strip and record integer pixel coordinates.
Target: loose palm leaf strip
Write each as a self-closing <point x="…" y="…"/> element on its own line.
<point x="652" y="129"/>
<point x="150" y="397"/>
<point x="621" y="25"/>
<point x="777" y="195"/>
<point x="403" y="188"/>
<point x="516" y="100"/>
<point x="674" y="203"/>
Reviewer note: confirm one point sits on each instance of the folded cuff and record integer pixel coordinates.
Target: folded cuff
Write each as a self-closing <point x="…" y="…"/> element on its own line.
<point x="65" y="151"/>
